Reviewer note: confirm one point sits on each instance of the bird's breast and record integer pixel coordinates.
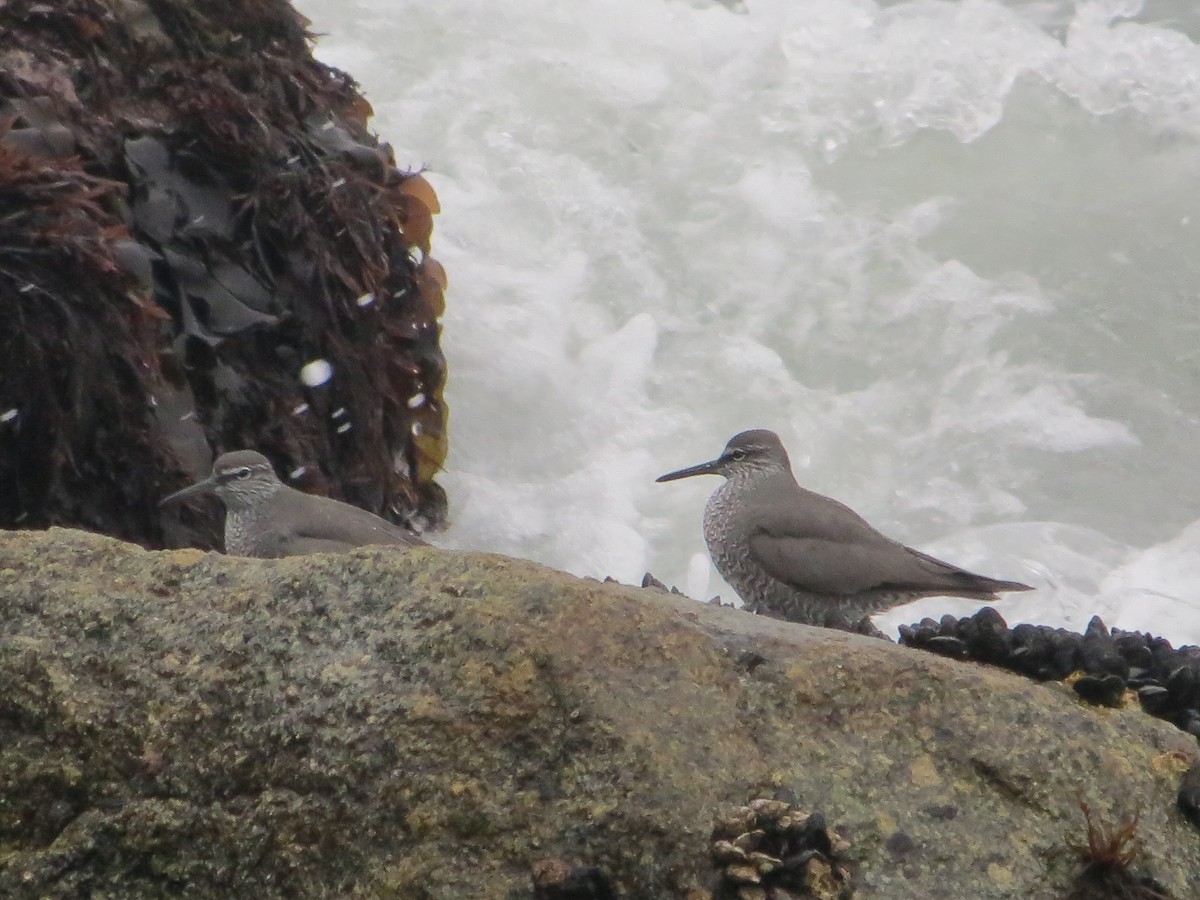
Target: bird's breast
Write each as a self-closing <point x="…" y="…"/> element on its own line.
<point x="237" y="535"/>
<point x="725" y="545"/>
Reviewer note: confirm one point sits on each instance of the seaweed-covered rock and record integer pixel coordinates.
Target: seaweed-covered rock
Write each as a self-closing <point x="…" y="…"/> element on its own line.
<point x="192" y="210"/>
<point x="435" y="725"/>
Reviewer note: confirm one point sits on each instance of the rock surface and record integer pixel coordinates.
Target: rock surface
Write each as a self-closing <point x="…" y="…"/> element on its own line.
<point x="431" y="724"/>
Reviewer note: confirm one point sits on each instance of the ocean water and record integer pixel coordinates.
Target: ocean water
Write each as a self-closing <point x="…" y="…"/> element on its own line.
<point x="950" y="251"/>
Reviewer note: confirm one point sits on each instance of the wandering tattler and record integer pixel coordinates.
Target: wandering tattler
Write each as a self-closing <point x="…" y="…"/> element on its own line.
<point x="266" y="518"/>
<point x="807" y="558"/>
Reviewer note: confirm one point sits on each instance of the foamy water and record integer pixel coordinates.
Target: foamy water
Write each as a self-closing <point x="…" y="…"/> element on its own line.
<point x="947" y="250"/>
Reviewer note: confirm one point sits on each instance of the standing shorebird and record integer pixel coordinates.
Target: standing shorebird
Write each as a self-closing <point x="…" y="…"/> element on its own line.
<point x="266" y="518"/>
<point x="807" y="558"/>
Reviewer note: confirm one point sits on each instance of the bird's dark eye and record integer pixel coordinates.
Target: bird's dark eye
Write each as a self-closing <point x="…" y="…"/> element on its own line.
<point x="243" y="472"/>
<point x="737" y="454"/>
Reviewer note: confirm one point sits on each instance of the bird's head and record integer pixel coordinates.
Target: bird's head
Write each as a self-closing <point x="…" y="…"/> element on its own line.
<point x="747" y="455"/>
<point x="239" y="478"/>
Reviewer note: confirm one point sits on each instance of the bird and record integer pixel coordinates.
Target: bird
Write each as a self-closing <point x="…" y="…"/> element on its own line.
<point x="797" y="555"/>
<point x="267" y="519"/>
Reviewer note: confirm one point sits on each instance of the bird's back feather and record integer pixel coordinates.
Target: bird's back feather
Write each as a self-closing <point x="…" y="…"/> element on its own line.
<point x="814" y="543"/>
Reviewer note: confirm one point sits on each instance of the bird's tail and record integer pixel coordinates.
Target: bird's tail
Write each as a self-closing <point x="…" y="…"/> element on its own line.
<point x="961" y="583"/>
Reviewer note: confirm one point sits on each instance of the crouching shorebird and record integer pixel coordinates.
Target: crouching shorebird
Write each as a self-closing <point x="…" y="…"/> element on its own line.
<point x="266" y="518"/>
<point x="807" y="558"/>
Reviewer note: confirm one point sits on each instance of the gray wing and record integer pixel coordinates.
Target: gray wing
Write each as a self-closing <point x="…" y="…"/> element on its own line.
<point x="335" y="526"/>
<point x="826" y="567"/>
<point x="823" y="546"/>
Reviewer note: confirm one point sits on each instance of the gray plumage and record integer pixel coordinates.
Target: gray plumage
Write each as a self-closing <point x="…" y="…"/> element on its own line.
<point x="267" y="519"/>
<point x="807" y="558"/>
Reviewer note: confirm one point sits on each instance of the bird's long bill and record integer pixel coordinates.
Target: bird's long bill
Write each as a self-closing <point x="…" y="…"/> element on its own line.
<point x="200" y="487"/>
<point x="707" y="468"/>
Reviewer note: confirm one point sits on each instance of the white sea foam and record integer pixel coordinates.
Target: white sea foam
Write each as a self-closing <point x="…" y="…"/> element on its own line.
<point x="942" y="248"/>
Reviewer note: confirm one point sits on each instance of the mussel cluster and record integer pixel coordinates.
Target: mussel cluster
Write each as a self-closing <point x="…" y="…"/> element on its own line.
<point x="1167" y="680"/>
<point x="772" y="850"/>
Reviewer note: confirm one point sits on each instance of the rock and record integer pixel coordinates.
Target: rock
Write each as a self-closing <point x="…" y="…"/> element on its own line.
<point x="557" y="879"/>
<point x="649" y="581"/>
<point x="431" y="724"/>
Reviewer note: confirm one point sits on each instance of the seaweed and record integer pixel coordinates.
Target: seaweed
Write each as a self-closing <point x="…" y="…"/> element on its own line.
<point x="192" y="209"/>
<point x="1108" y="856"/>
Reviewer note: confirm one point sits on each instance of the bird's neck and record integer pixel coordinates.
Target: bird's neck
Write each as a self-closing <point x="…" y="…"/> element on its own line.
<point x="727" y="499"/>
<point x="749" y="476"/>
<point x="238" y="502"/>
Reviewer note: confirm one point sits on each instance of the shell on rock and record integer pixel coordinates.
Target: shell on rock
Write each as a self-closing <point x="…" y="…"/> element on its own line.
<point x="770" y="849"/>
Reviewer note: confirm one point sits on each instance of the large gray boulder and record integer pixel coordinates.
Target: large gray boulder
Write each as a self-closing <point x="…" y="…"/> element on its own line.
<point x="428" y="724"/>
